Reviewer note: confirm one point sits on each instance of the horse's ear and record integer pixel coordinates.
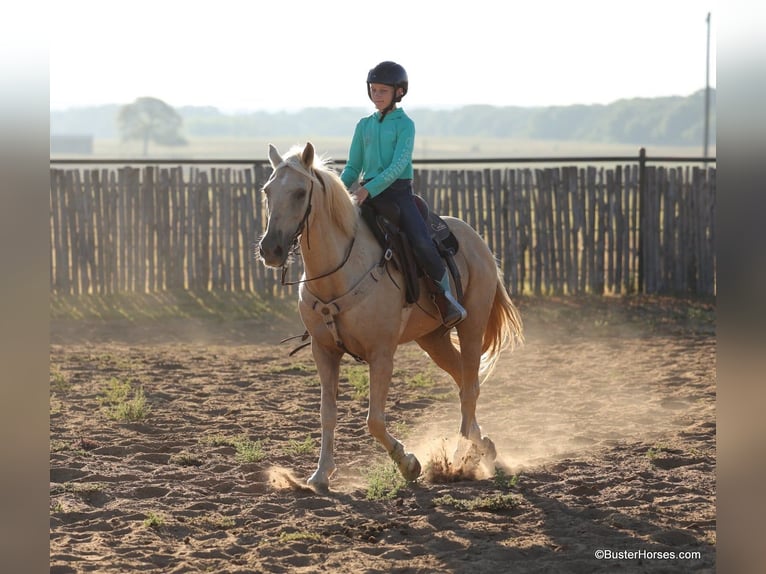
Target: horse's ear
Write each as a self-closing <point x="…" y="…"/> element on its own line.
<point x="274" y="158"/>
<point x="308" y="155"/>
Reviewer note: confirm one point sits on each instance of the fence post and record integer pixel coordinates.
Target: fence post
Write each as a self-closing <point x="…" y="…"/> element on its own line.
<point x="641" y="216"/>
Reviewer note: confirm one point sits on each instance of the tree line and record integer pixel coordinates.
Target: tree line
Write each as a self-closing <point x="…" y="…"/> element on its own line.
<point x="672" y="121"/>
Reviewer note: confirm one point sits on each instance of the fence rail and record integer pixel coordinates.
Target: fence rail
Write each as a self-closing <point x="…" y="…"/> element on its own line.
<point x="554" y="230"/>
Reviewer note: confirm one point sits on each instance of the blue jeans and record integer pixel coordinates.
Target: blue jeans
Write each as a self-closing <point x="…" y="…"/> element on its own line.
<point x="411" y="222"/>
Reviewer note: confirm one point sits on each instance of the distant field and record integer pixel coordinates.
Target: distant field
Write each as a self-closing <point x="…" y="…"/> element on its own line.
<point x="337" y="148"/>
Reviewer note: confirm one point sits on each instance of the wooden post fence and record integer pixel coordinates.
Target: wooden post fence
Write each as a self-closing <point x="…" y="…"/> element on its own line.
<point x="557" y="230"/>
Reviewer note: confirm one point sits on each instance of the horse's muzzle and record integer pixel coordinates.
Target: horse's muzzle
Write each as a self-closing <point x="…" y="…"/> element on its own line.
<point x="272" y="251"/>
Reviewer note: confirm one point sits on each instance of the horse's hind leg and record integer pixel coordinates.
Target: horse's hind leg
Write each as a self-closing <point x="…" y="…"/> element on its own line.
<point x="441" y="350"/>
<point x="463" y="367"/>
<point x="328" y="367"/>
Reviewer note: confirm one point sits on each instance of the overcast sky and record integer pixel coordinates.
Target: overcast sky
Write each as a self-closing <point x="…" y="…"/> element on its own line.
<point x="288" y="55"/>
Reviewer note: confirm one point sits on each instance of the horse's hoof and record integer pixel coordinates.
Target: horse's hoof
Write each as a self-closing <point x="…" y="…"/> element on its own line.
<point x="488" y="450"/>
<point x="410" y="467"/>
<point x="319" y="482"/>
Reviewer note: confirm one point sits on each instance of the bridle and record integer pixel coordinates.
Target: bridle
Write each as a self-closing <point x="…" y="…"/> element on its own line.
<point x="303" y="225"/>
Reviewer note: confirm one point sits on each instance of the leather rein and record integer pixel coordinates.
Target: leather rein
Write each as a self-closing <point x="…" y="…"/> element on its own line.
<point x="295" y="244"/>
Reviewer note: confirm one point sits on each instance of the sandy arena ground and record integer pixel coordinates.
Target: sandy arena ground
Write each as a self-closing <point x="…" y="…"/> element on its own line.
<point x="604" y="422"/>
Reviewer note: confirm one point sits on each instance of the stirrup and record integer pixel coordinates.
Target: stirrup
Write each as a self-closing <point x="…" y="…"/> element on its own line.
<point x="452" y="313"/>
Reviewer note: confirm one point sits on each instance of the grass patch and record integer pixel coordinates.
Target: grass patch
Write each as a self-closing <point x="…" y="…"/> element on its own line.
<point x="384" y="481"/>
<point x="359" y="379"/>
<point x="55" y="406"/>
<point x="80" y="488"/>
<point x="132" y="410"/>
<point x="216" y="440"/>
<point x="116" y="392"/>
<point x="502" y="480"/>
<point x="246" y="450"/>
<point x="421" y="381"/>
<point x="65" y="446"/>
<point x="655" y="451"/>
<point x="296" y="447"/>
<point x="58" y="382"/>
<point x="492" y="503"/>
<point x="400" y="429"/>
<point x="154" y="521"/>
<point x="116" y="399"/>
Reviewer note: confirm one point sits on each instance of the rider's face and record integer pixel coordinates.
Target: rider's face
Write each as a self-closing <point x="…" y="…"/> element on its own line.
<point x="382" y="95"/>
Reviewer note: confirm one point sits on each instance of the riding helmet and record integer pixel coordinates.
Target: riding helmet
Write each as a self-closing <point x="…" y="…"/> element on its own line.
<point x="390" y="74"/>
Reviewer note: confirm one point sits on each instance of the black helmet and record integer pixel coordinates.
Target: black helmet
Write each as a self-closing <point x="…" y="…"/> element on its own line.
<point x="390" y="74"/>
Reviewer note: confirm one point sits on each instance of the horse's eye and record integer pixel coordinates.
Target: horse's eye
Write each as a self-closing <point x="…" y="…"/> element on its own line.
<point x="299" y="195"/>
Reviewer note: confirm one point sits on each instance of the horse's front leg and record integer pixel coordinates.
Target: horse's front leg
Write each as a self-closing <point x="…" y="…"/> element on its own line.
<point x="328" y="367"/>
<point x="381" y="369"/>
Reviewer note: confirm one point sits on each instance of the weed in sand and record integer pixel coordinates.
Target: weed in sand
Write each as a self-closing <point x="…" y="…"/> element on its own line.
<point x="154" y="521"/>
<point x="296" y="447"/>
<point x="216" y="440"/>
<point x="118" y="405"/>
<point x="55" y="406"/>
<point x="132" y="410"/>
<point x="359" y="381"/>
<point x="57" y="445"/>
<point x="655" y="451"/>
<point x="400" y="429"/>
<point x="214" y="522"/>
<point x="247" y="450"/>
<point x="384" y="481"/>
<point x="62" y="446"/>
<point x="421" y="381"/>
<point x="58" y="382"/>
<point x="116" y="392"/>
<point x="492" y="502"/>
<point x="502" y="480"/>
<point x="81" y="488"/>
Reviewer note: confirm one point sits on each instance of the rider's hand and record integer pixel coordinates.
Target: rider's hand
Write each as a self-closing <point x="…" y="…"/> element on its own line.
<point x="361" y="195"/>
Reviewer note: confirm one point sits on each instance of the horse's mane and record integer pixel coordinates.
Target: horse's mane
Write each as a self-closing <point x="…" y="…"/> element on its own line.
<point x="337" y="202"/>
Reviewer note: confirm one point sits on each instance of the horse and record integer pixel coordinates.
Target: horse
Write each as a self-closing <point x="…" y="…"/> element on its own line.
<point x="351" y="300"/>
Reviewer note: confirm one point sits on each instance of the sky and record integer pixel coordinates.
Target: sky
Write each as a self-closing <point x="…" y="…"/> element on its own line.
<point x="245" y="55"/>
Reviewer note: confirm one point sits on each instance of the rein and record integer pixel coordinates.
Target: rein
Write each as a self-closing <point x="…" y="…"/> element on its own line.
<point x="298" y="232"/>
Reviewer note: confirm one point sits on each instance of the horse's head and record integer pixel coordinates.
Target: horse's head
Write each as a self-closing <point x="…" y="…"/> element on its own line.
<point x="288" y="198"/>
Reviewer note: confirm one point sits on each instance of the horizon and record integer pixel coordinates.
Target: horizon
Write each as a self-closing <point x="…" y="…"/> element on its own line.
<point x="403" y="105"/>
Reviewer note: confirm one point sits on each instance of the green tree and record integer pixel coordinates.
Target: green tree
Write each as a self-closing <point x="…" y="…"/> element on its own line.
<point x="151" y="119"/>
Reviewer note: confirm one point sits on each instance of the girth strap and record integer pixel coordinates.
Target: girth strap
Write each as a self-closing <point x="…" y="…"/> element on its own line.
<point x="329" y="309"/>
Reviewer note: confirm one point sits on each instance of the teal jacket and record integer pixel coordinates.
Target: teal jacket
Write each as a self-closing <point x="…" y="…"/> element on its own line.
<point x="381" y="152"/>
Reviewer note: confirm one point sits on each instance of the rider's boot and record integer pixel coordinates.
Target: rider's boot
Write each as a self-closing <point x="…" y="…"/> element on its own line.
<point x="450" y="310"/>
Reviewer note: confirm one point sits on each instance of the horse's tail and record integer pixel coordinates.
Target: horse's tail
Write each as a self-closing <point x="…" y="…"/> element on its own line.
<point x="504" y="329"/>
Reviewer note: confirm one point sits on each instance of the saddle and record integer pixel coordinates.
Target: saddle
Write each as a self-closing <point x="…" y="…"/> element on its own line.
<point x="384" y="223"/>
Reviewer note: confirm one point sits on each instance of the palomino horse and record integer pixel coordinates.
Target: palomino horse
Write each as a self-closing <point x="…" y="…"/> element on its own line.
<point x="352" y="302"/>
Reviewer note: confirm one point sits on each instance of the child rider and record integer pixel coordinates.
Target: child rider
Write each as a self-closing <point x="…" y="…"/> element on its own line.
<point x="381" y="154"/>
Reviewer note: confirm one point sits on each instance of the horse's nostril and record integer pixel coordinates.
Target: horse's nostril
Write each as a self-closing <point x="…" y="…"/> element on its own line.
<point x="278" y="251"/>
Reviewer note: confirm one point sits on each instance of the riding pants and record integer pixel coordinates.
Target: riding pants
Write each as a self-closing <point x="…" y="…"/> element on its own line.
<point x="411" y="222"/>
